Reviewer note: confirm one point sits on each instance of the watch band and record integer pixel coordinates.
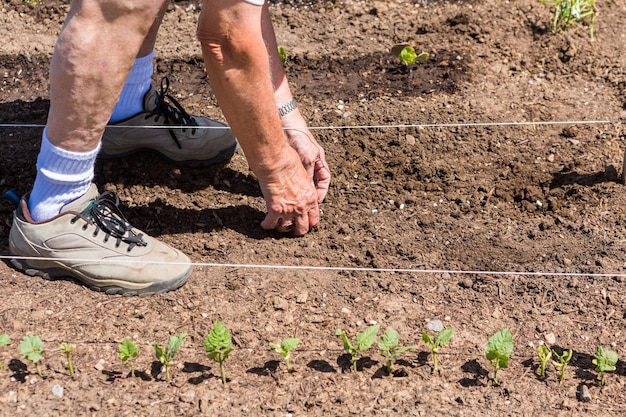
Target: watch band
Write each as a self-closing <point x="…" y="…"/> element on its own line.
<point x="287" y="108"/>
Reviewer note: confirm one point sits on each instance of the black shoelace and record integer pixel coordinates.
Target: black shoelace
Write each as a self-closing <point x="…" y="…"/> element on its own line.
<point x="104" y="213"/>
<point x="175" y="116"/>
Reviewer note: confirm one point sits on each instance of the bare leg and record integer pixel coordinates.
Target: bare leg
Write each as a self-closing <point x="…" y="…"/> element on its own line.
<point x="92" y="58"/>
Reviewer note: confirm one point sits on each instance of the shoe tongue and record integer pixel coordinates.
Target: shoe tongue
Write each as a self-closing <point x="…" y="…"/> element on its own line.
<point x="150" y="99"/>
<point x="81" y="203"/>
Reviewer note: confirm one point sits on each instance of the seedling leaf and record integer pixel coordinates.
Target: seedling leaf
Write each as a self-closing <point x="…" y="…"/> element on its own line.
<point x="32" y="350"/>
<point x="499" y="350"/>
<point x="366" y="338"/>
<point x="4" y="340"/>
<point x="285" y="347"/>
<point x="388" y="340"/>
<point x="128" y="353"/>
<point x="605" y="361"/>
<point x="363" y="341"/>
<point x="218" y="346"/>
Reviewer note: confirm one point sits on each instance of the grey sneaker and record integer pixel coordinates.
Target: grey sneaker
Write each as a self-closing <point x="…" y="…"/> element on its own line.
<point x="91" y="241"/>
<point x="190" y="146"/>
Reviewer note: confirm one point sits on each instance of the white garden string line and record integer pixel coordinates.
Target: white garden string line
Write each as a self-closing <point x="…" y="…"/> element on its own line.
<point x="335" y="268"/>
<point x="391" y="126"/>
<point x="358" y="269"/>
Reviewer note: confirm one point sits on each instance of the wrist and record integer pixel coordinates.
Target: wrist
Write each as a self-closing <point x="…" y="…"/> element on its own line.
<point x="287" y="108"/>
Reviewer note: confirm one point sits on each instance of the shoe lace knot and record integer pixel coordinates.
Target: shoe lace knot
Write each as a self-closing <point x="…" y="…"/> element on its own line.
<point x="173" y="115"/>
<point x="104" y="213"/>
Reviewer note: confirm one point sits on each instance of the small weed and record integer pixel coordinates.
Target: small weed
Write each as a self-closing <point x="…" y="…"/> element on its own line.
<point x="283" y="55"/>
<point x="388" y="343"/>
<point x="218" y="346"/>
<point x="567" y="12"/>
<point x="166" y="356"/>
<point x="437" y="342"/>
<point x="563" y="360"/>
<point x="407" y="54"/>
<point x="128" y="353"/>
<point x="544" y="354"/>
<point x="5" y="340"/>
<point x="32" y="350"/>
<point x="363" y="341"/>
<point x="68" y="350"/>
<point x="499" y="350"/>
<point x="284" y="348"/>
<point x="604" y="361"/>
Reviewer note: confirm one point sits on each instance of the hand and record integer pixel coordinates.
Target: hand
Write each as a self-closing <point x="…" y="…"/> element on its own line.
<point x="290" y="196"/>
<point x="312" y="157"/>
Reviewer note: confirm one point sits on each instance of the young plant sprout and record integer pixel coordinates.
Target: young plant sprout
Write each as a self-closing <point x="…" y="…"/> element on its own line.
<point x="32" y="350"/>
<point x="544" y="354"/>
<point x="166" y="356"/>
<point x="407" y="54"/>
<point x="128" y="353"/>
<point x="388" y="343"/>
<point x="68" y="349"/>
<point x="567" y="12"/>
<point x="218" y="345"/>
<point x="563" y="360"/>
<point x="283" y="55"/>
<point x="437" y="342"/>
<point x="499" y="350"/>
<point x="5" y="340"/>
<point x="604" y="361"/>
<point x="363" y="341"/>
<point x="285" y="347"/>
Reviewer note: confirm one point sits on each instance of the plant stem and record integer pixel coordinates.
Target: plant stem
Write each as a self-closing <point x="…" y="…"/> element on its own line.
<point x="39" y="370"/>
<point x="495" y="375"/>
<point x="388" y="366"/>
<point x="132" y="369"/>
<point x="70" y="367"/>
<point x="562" y="376"/>
<point x="354" y="361"/>
<point x="435" y="367"/>
<point x="287" y="363"/>
<point x="223" y="372"/>
<point x="167" y="373"/>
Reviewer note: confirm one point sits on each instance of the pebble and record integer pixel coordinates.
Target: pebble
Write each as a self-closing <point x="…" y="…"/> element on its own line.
<point x="302" y="297"/>
<point x="583" y="393"/>
<point x="57" y="390"/>
<point x="435" y="325"/>
<point x="466" y="283"/>
<point x="188" y="397"/>
<point x="550" y="338"/>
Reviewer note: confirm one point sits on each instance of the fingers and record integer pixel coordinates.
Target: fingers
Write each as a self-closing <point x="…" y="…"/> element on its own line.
<point x="321" y="179"/>
<point x="298" y="225"/>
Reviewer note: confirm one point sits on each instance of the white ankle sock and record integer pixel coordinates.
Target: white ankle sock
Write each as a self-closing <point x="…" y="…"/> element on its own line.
<point x="62" y="177"/>
<point x="137" y="85"/>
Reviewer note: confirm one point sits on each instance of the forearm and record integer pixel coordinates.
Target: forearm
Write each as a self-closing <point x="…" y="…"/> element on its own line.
<point x="239" y="69"/>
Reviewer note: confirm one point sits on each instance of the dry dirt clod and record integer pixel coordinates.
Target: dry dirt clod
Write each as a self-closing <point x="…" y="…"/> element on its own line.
<point x="583" y="393"/>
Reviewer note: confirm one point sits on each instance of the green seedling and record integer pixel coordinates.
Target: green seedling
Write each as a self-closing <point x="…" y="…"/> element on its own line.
<point x="128" y="353"/>
<point x="363" y="341"/>
<point x="32" y="350"/>
<point x="285" y="347"/>
<point x="218" y="346"/>
<point x="604" y="361"/>
<point x="5" y="340"/>
<point x="166" y="356"/>
<point x="567" y="12"/>
<point x="283" y="55"/>
<point x="437" y="342"/>
<point x="544" y="354"/>
<point x="499" y="350"/>
<point x="388" y="343"/>
<point x="563" y="360"/>
<point x="68" y="349"/>
<point x="407" y="54"/>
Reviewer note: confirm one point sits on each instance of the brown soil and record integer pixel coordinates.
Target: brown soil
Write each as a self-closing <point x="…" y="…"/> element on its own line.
<point x="445" y="199"/>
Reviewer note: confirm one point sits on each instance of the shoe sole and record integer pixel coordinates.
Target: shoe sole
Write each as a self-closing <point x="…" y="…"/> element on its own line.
<point x="221" y="157"/>
<point x="56" y="273"/>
